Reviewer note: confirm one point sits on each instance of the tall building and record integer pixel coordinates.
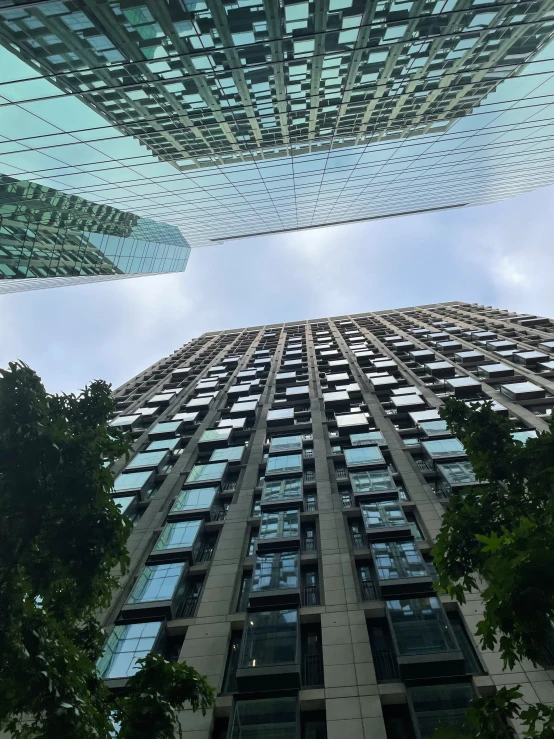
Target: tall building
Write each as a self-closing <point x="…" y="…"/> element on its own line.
<point x="286" y="484"/>
<point x="50" y="239"/>
<point x="272" y="116"/>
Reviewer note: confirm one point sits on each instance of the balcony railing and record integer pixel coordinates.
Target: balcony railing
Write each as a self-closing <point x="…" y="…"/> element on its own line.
<point x="347" y="501"/>
<point x="309" y="544"/>
<point x="205" y="553"/>
<point x="188" y="607"/>
<point x="368" y="590"/>
<point x="312" y="670"/>
<point x="341" y="473"/>
<point x="309" y="476"/>
<point x="310" y="595"/>
<point x="358" y="539"/>
<point x="311" y="505"/>
<point x="385" y="665"/>
<point x="308" y="453"/>
<point x="232" y="485"/>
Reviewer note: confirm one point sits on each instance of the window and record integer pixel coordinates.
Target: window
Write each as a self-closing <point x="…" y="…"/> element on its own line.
<point x="275" y="571"/>
<point x="194" y="498"/>
<point x="284" y="443"/>
<point x="383" y="514"/>
<point x="371" y="482"/>
<point x="125" y="645"/>
<point x="125" y="504"/>
<point x="124" y="421"/>
<point x="244" y="592"/>
<point x="147" y="459"/>
<point x="277" y="490"/>
<point x="370" y="437"/>
<point x="363" y="455"/>
<point x="229" y="453"/>
<point x="132" y="481"/>
<point x="211" y="435"/>
<point x="420" y="626"/>
<point x="351" y="419"/>
<point x="252" y="718"/>
<point x="279" y="413"/>
<point x="179" y="535"/>
<point x="252" y="543"/>
<point x="430" y="428"/>
<point x="444" y="448"/>
<point x="524" y="436"/>
<point x="437" y="706"/>
<point x="168" y="444"/>
<point x="368" y="589"/>
<point x="284" y="463"/>
<point x="457" y="473"/>
<point x="207" y="472"/>
<point x="395" y="560"/>
<point x="270" y="639"/>
<point x="277" y="524"/>
<point x="156" y="582"/>
<point x="165" y="427"/>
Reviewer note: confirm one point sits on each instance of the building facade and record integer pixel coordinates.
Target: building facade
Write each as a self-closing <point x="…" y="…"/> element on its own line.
<point x="257" y="116"/>
<point x="51" y="239"/>
<point x="286" y="484"/>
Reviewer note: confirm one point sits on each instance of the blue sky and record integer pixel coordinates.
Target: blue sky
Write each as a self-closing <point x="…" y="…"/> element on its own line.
<point x="498" y="254"/>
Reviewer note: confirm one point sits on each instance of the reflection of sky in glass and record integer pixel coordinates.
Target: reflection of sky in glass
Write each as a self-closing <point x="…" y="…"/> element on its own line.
<point x="501" y="149"/>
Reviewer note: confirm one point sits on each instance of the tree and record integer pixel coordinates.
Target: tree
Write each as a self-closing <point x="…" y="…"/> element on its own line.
<point x="61" y="536"/>
<point x="500" y="534"/>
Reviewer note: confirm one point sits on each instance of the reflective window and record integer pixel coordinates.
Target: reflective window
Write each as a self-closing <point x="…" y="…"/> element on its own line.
<point x="420" y="626"/>
<point x="280" y="523"/>
<point x="277" y="413"/>
<point x="163" y="444"/>
<point x="284" y="463"/>
<point x="132" y="480"/>
<point x="444" y="448"/>
<point x="434" y="427"/>
<point x="127" y="644"/>
<point x="276" y="571"/>
<point x="230" y="453"/>
<point x="146" y="459"/>
<point x="398" y="559"/>
<point x="524" y="436"/>
<point x="375" y="437"/>
<point x="156" y="582"/>
<point x="270" y="639"/>
<point x="284" y="443"/>
<point x="125" y="503"/>
<point x="382" y="514"/>
<point x="363" y="455"/>
<point x="207" y="472"/>
<point x="221" y="434"/>
<point x="457" y="473"/>
<point x="371" y="481"/>
<point x="275" y="490"/>
<point x="179" y="535"/>
<point x="165" y="427"/>
<point x="441" y="706"/>
<point x="351" y="419"/>
<point x="124" y="421"/>
<point x="194" y="498"/>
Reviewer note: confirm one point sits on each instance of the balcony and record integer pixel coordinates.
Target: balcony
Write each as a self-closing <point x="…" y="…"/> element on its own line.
<point x="385" y="665"/>
<point x="368" y="590"/>
<point x="312" y="670"/>
<point x="310" y="596"/>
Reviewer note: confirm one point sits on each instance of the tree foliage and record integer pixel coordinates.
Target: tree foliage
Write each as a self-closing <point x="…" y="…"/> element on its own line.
<point x="500" y="535"/>
<point x="61" y="536"/>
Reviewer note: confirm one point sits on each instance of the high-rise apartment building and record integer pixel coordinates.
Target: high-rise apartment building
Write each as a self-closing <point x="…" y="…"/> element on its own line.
<point x="263" y="116"/>
<point x="50" y="239"/>
<point x="287" y="483"/>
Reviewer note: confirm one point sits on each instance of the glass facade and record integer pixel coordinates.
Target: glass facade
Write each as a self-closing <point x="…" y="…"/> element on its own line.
<point x="444" y="448"/>
<point x="194" y="498"/>
<point x="276" y="571"/>
<point x="382" y="514"/>
<point x="420" y="626"/>
<point x="438" y="706"/>
<point x="457" y="473"/>
<point x="207" y="472"/>
<point x="125" y="645"/>
<point x="394" y="560"/>
<point x="285" y="443"/>
<point x="284" y="463"/>
<point x="371" y="482"/>
<point x="181" y="535"/>
<point x="273" y="718"/>
<point x="270" y="639"/>
<point x="361" y="455"/>
<point x="156" y="582"/>
<point x="277" y="524"/>
<point x="49" y="238"/>
<point x="277" y="490"/>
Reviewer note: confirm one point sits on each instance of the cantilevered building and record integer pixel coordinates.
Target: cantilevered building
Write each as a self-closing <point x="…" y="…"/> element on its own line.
<point x="269" y="115"/>
<point x="286" y="484"/>
<point x="50" y="239"/>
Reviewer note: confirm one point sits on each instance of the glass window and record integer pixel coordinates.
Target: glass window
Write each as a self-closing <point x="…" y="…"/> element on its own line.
<point x="420" y="626"/>
<point x="125" y="645"/>
<point x="524" y="436"/>
<point x="244" y="407"/>
<point x="438" y="706"/>
<point x="274" y="718"/>
<point x="270" y="639"/>
<point x="284" y="463"/>
<point x="230" y="453"/>
<point x="521" y="389"/>
<point x="124" y="421"/>
<point x="351" y="419"/>
<point x="194" y="498"/>
<point x="284" y="443"/>
<point x="370" y="437"/>
<point x="162" y="444"/>
<point x="125" y="503"/>
<point x="207" y="472"/>
<point x="398" y="559"/>
<point x="430" y="428"/>
<point x="156" y="582"/>
<point x="444" y="448"/>
<point x="363" y="455"/>
<point x="211" y="435"/>
<point x="277" y="413"/>
<point x="299" y="390"/>
<point x="457" y="473"/>
<point x="132" y="480"/>
<point x="371" y="481"/>
<point x="275" y="490"/>
<point x="165" y="427"/>
<point x="147" y="459"/>
<point x="383" y="513"/>
<point x="179" y="535"/>
<point x="279" y="523"/>
<point x="275" y="571"/>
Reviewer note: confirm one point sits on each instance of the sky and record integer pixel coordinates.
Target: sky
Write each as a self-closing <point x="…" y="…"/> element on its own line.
<point x="498" y="255"/>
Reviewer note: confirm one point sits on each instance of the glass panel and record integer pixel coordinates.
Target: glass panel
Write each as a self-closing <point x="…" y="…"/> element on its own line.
<point x="125" y="645"/>
<point x="280" y="523"/>
<point x="369" y="437"/>
<point x="437" y="706"/>
<point x="162" y="444"/>
<point x="434" y="427"/>
<point x="146" y="459"/>
<point x="132" y="481"/>
<point x="275" y="490"/>
<point x="156" y="582"/>
<point x="178" y="535"/>
<point x="284" y="443"/>
<point x="371" y="482"/>
<point x="284" y="463"/>
<point x="363" y="455"/>
<point x="215" y="435"/>
<point x="444" y="448"/>
<point x="524" y="436"/>
<point x="420" y="626"/>
<point x="167" y="426"/>
<point x="207" y="472"/>
<point x="275" y="718"/>
<point x="270" y="639"/>
<point x="230" y="453"/>
<point x="189" y="500"/>
<point x="280" y="413"/>
<point x="395" y="560"/>
<point x="275" y="571"/>
<point x="382" y="514"/>
<point x="124" y="503"/>
<point x="457" y="473"/>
